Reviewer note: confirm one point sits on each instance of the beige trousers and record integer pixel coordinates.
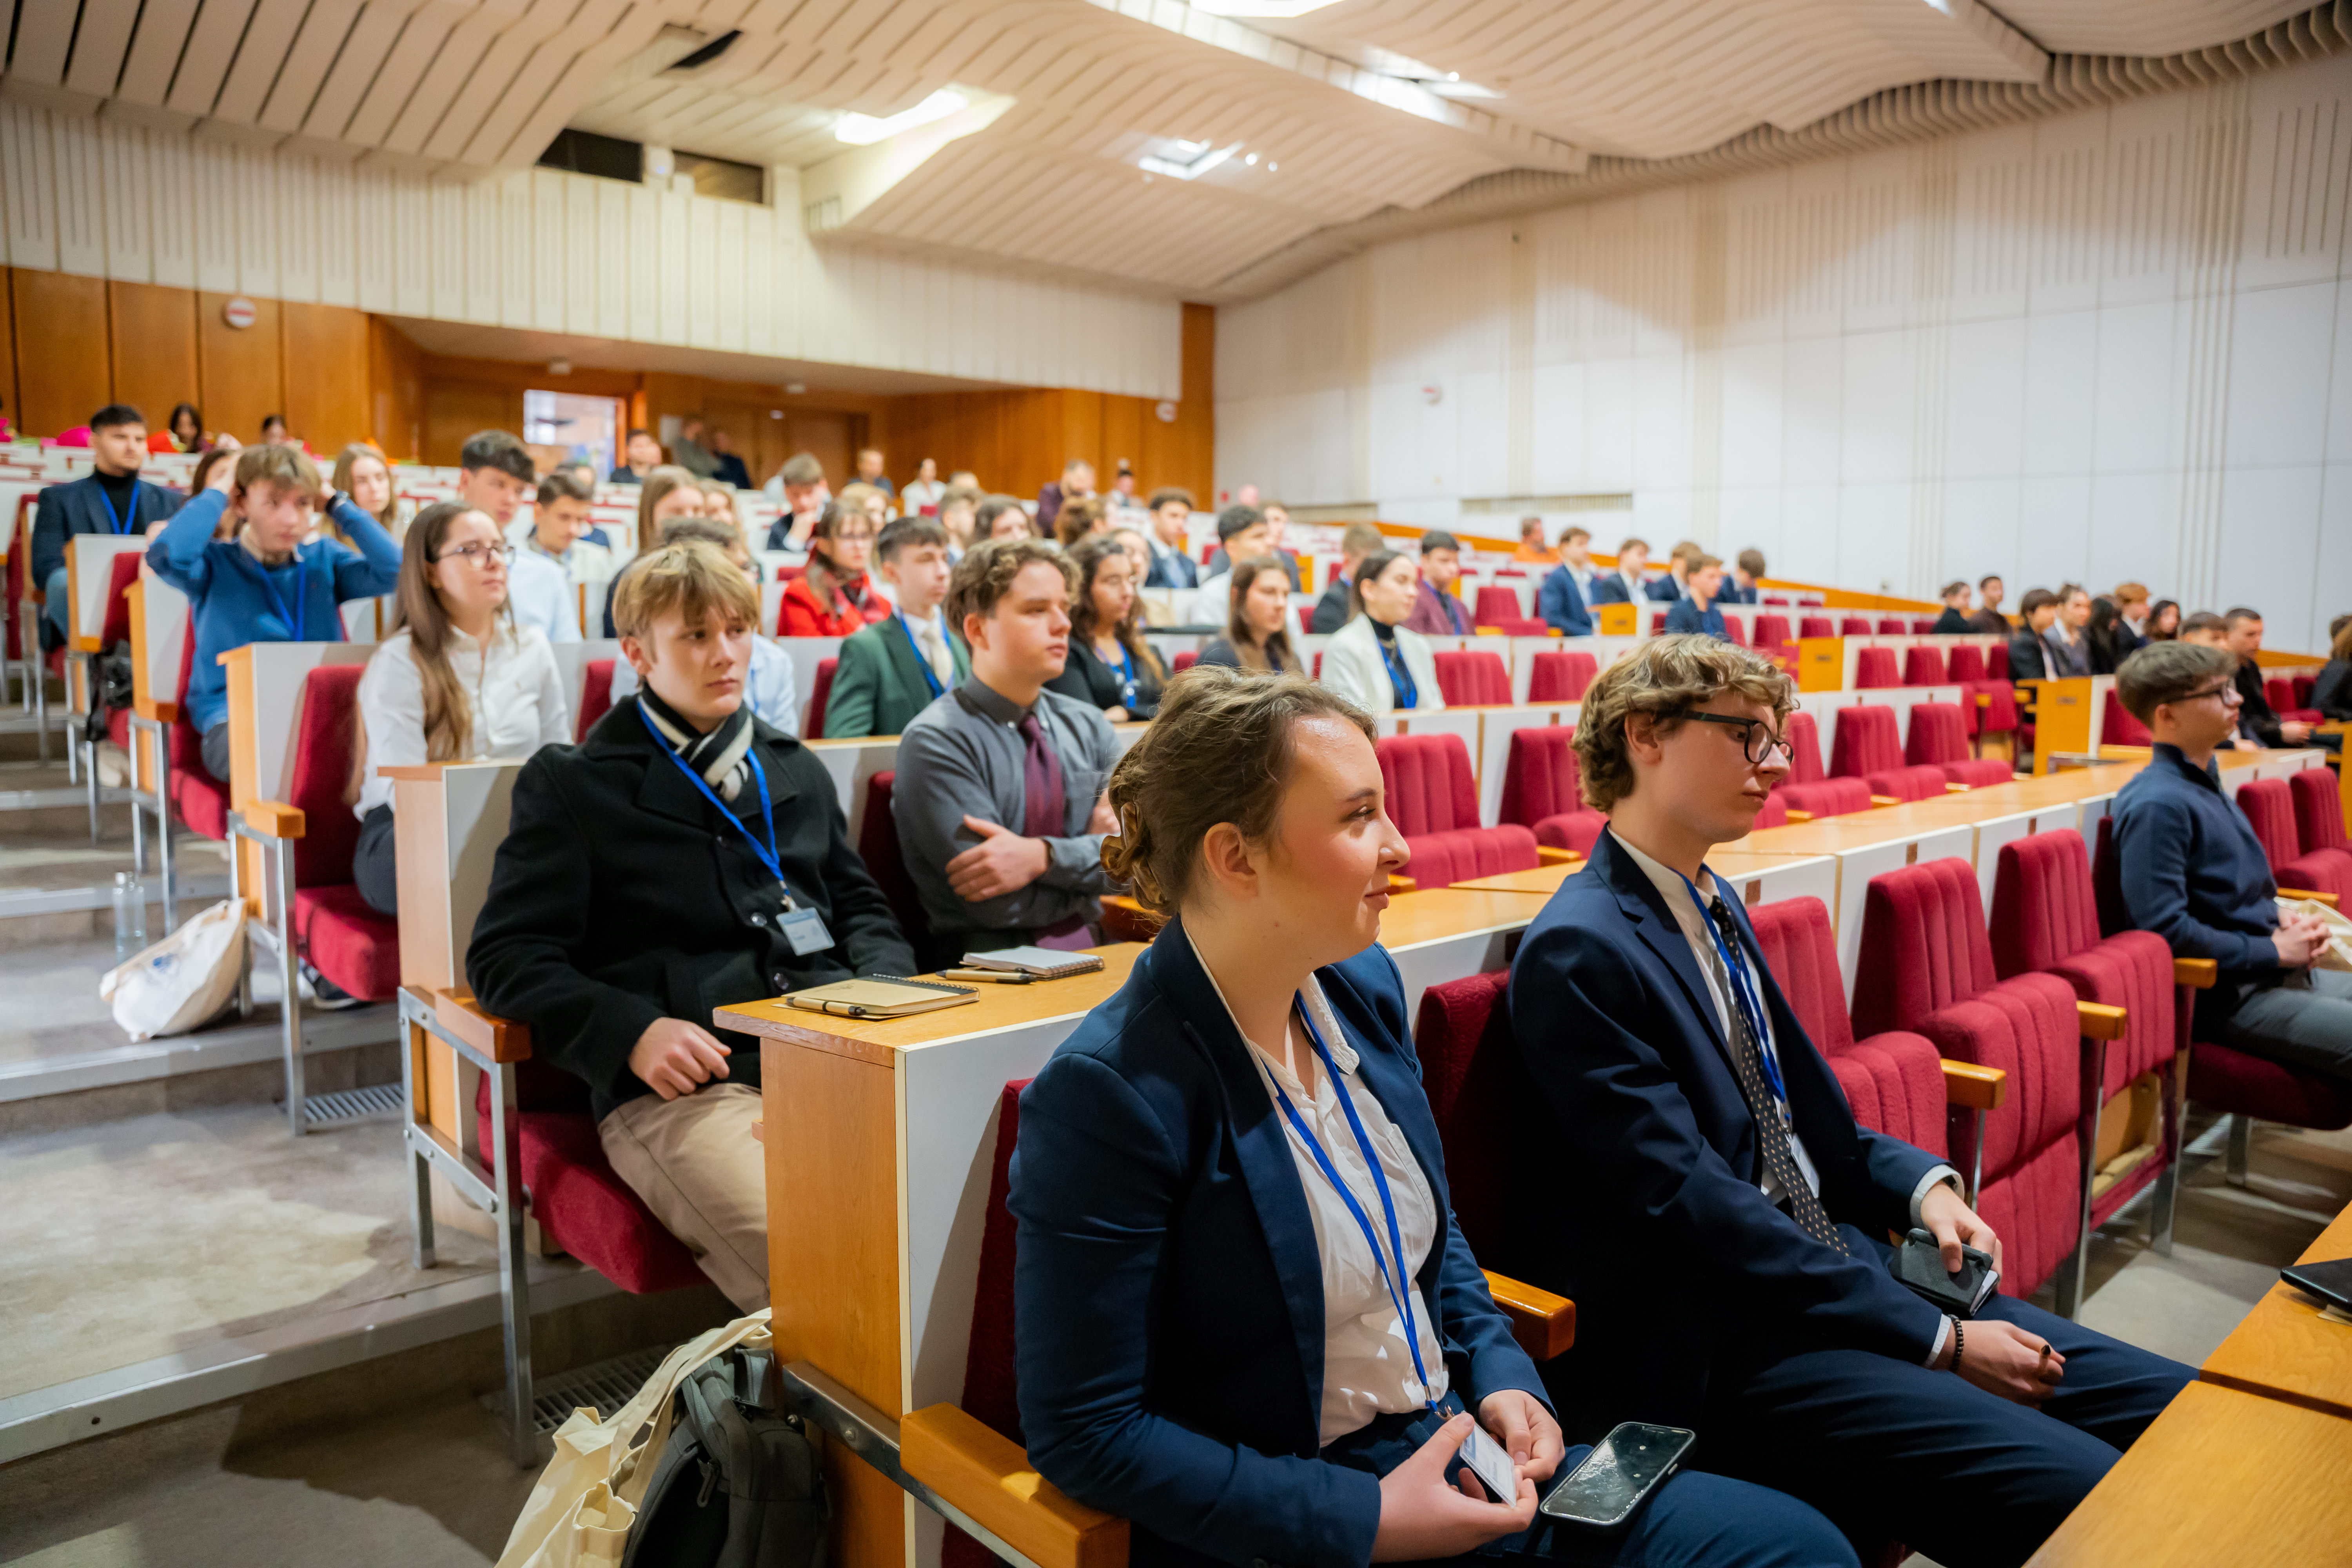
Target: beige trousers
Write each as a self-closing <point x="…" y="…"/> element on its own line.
<point x="698" y="1167"/>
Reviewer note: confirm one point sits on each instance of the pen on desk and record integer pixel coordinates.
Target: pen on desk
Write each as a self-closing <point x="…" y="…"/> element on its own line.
<point x="994" y="977"/>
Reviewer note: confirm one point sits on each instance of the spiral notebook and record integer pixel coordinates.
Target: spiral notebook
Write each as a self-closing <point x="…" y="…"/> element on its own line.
<point x="1039" y="963"/>
<point x="880" y="996"/>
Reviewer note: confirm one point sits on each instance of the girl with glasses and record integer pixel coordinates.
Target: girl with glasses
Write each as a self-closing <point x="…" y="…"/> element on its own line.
<point x="835" y="597"/>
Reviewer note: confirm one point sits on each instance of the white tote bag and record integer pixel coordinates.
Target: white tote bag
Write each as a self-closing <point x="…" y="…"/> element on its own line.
<point x="586" y="1499"/>
<point x="183" y="981"/>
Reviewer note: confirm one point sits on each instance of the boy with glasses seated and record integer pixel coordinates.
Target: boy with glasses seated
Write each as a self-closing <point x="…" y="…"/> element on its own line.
<point x="2194" y="873"/>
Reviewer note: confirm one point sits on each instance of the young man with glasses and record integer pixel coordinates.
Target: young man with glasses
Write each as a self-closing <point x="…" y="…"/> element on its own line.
<point x="2194" y="873"/>
<point x="1712" y="1205"/>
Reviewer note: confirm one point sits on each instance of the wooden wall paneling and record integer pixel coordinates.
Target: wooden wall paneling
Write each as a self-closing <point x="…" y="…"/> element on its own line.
<point x="457" y="409"/>
<point x="1122" y="437"/>
<point x="153" y="330"/>
<point x="326" y="376"/>
<point x="825" y="436"/>
<point x="62" y="375"/>
<point x="238" y="368"/>
<point x="396" y="393"/>
<point x="16" y="409"/>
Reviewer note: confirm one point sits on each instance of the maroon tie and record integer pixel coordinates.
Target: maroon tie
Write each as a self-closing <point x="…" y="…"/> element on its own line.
<point x="1041" y="773"/>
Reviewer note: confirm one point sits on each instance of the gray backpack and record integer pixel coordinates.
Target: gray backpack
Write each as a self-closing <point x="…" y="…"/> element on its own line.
<point x="737" y="1484"/>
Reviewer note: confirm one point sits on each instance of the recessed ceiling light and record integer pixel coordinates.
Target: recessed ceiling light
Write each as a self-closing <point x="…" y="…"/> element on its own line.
<point x="1251" y="160"/>
<point x="863" y="130"/>
<point x="1270" y="166"/>
<point x="1191" y="168"/>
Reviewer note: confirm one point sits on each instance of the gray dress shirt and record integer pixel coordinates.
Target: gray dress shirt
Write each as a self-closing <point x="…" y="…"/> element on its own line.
<point x="962" y="756"/>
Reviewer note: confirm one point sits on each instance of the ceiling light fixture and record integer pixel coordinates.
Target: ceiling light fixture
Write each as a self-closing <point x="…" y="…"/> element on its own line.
<point x="1190" y="170"/>
<point x="1276" y="9"/>
<point x="863" y="130"/>
<point x="1251" y="160"/>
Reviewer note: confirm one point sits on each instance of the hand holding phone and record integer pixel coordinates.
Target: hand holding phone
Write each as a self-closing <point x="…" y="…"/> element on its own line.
<point x="1428" y="1510"/>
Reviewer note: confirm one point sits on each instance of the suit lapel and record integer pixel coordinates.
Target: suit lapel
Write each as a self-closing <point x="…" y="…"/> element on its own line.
<point x="1647" y="908"/>
<point x="899" y="649"/>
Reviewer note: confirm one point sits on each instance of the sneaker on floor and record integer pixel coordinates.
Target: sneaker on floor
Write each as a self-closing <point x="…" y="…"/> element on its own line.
<point x="325" y="994"/>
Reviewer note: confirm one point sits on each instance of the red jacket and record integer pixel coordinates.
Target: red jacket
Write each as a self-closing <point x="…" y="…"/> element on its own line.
<point x="855" y="604"/>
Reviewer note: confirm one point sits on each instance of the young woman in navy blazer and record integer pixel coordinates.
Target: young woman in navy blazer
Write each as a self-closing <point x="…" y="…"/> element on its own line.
<point x="1212" y="1340"/>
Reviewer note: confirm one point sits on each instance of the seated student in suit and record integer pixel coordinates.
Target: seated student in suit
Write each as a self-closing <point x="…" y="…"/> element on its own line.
<point x="1109" y="664"/>
<point x="1437" y="610"/>
<point x="1625" y="585"/>
<point x="771" y="690"/>
<point x="1746" y="585"/>
<point x="111" y="498"/>
<point x="1257" y="624"/>
<point x="2028" y="654"/>
<point x="999" y="793"/>
<point x="835" y="597"/>
<point x="1172" y="565"/>
<point x="1988" y="619"/>
<point x="457" y="680"/>
<point x="2130" y="634"/>
<point x="683" y="856"/>
<point x="2241" y="633"/>
<point x="893" y="669"/>
<point x="1357" y="541"/>
<point x="1709" y="1202"/>
<point x="1564" y="601"/>
<point x="1375" y="662"/>
<point x="560" y="533"/>
<point x="1697" y="613"/>
<point x="1675" y="583"/>
<point x="1955" y="620"/>
<point x="2332" y="693"/>
<point x="2066" y="642"/>
<point x="1242" y="533"/>
<point x="2194" y="873"/>
<point x="264" y="584"/>
<point x="1219" y="1338"/>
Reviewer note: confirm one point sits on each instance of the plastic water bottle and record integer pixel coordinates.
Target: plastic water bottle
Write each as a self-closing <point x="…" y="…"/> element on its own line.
<point x="121" y="916"/>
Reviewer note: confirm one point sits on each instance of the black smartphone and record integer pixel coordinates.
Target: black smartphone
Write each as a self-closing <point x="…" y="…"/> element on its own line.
<point x="1618" y="1477"/>
<point x="2330" y="1281"/>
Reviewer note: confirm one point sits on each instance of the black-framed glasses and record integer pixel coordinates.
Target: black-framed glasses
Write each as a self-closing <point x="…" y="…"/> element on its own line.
<point x="1758" y="742"/>
<point x="2225" y="691"/>
<point x="478" y="554"/>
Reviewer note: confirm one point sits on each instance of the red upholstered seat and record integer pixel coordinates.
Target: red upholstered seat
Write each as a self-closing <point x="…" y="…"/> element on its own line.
<point x="1895" y="1081"/>
<point x="1939" y="739"/>
<point x="122" y="570"/>
<point x="1541" y="791"/>
<point x="1815" y="626"/>
<point x="1804" y="749"/>
<point x="1433" y="800"/>
<point x="2304" y="685"/>
<point x="1996" y="661"/>
<point x="2118" y="727"/>
<point x="1823" y="798"/>
<point x="579" y="1202"/>
<point x="1893" y="626"/>
<point x="1734" y="632"/>
<point x="1561" y="676"/>
<point x="1499" y="608"/>
<point x="1923" y="666"/>
<point x="877" y="846"/>
<point x="2279" y="692"/>
<point x="1855" y="626"/>
<point x="1476" y="1085"/>
<point x="1921" y="625"/>
<point x="2045" y="921"/>
<point x="352" y="945"/>
<point x="1773" y="813"/>
<point x="813" y="721"/>
<point x="1771" y="630"/>
<point x="1775" y="599"/>
<point x="2269" y="805"/>
<point x="1926" y="965"/>
<point x="1306" y="619"/>
<point x="2318" y="810"/>
<point x="1875" y="669"/>
<point x="1472" y="677"/>
<point x="1866" y="748"/>
<point x="1967" y="666"/>
<point x="595" y="695"/>
<point x="1185" y="660"/>
<point x="201" y="802"/>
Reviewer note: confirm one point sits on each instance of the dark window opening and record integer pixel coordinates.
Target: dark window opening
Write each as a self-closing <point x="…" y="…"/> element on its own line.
<point x="585" y="153"/>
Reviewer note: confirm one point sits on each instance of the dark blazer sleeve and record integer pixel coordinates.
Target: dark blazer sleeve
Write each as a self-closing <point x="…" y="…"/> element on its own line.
<point x="1561" y="606"/>
<point x="1095" y="1180"/>
<point x="1577" y="1000"/>
<point x="2332" y="693"/>
<point x="849" y="706"/>
<point x="49" y="531"/>
<point x="1079" y="677"/>
<point x="1609" y="590"/>
<point x="1330" y="610"/>
<point x="1660" y="589"/>
<point x="1685" y="617"/>
<point x="2025" y="660"/>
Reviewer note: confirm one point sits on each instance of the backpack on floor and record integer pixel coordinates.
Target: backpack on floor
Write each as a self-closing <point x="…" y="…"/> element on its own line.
<point x="738" y="1484"/>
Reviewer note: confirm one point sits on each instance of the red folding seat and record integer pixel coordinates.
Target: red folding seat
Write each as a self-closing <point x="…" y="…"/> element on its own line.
<point x="200" y="802"/>
<point x="2269" y="805"/>
<point x="1855" y="626"/>
<point x="1732" y="632"/>
<point x="1775" y="599"/>
<point x="1433" y="798"/>
<point x="1875" y="669"/>
<point x="1561" y="676"/>
<point x="1183" y="661"/>
<point x="1926" y="965"/>
<point x="1499" y="607"/>
<point x="1473" y="677"/>
<point x="350" y="944"/>
<point x="1821" y="798"/>
<point x="1307" y="620"/>
<point x="1815" y="626"/>
<point x="2304" y="685"/>
<point x="1804" y="749"/>
<point x="1657" y="623"/>
<point x="1772" y="636"/>
<point x="877" y="846"/>
<point x="2045" y="921"/>
<point x="1893" y="626"/>
<point x="2279" y="691"/>
<point x="2118" y="727"/>
<point x="1868" y="747"/>
<point x="595" y="695"/>
<point x="1542" y="792"/>
<point x="1921" y="625"/>
<point x="1991" y="703"/>
<point x="812" y="720"/>
<point x="2318" y="810"/>
<point x="1938" y="738"/>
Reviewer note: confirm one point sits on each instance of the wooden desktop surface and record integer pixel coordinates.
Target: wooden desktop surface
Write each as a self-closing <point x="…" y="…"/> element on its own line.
<point x="2221" y="1477"/>
<point x="2285" y="1350"/>
<point x="1545" y="880"/>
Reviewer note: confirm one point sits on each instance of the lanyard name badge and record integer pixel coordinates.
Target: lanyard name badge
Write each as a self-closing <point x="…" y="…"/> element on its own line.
<point x="1743" y="995"/>
<point x="121" y="523"/>
<point x="804" y="928"/>
<point x="930" y="676"/>
<point x="1408" y="695"/>
<point x="293" y="620"/>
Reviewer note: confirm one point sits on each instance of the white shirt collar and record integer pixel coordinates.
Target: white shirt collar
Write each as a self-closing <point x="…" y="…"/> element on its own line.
<point x="1670" y="881"/>
<point x="1335" y="1039"/>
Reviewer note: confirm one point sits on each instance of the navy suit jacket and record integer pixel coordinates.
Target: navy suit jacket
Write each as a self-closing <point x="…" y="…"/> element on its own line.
<point x="1637" y="1197"/>
<point x="1173" y="570"/>
<point x="1687" y="616"/>
<point x="78" y="508"/>
<point x="1609" y="588"/>
<point x="1665" y="589"/>
<point x="1561" y="604"/>
<point x="1733" y="593"/>
<point x="1169" y="1289"/>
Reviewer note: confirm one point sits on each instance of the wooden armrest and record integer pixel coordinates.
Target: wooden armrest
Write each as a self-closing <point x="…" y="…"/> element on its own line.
<point x="500" y="1039"/>
<point x="1543" y="1323"/>
<point x="2101" y="1022"/>
<point x="2316" y="896"/>
<point x="2197" y="973"/>
<point x="414" y="771"/>
<point x="1795" y="815"/>
<point x="1978" y="1087"/>
<point x="1547" y="856"/>
<point x="1956" y="788"/>
<point x="1124" y="919"/>
<point x="273" y="819"/>
<point x="1878" y="800"/>
<point x="988" y="1477"/>
<point x="1984" y="698"/>
<point x="1401" y="884"/>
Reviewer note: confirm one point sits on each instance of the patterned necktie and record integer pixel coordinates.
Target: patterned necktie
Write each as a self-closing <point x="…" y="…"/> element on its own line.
<point x="1042" y="779"/>
<point x="1771" y="1129"/>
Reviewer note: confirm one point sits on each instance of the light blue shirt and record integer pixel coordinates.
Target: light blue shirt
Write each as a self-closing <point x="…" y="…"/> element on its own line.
<point x="542" y="596"/>
<point x="773" y="697"/>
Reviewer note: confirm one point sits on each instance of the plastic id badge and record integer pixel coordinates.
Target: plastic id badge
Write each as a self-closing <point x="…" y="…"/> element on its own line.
<point x="1491" y="1463"/>
<point x="804" y="928"/>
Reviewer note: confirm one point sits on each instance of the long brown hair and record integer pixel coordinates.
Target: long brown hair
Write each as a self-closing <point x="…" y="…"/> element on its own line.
<point x="1087" y="556"/>
<point x="1237" y="629"/>
<point x="657" y="484"/>
<point x="418" y="611"/>
<point x="346" y="462"/>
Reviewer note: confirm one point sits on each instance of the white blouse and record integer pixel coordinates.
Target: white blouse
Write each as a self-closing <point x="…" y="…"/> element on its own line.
<point x="515" y="697"/>
<point x="1368" y="1367"/>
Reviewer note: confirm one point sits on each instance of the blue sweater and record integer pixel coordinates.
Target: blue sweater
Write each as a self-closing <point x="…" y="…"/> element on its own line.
<point x="2193" y="872"/>
<point x="230" y="593"/>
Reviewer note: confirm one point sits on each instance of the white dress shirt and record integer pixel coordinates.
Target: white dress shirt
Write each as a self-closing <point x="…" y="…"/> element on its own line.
<point x="769" y="687"/>
<point x="542" y="596"/>
<point x="1695" y="926"/>
<point x="514" y="699"/>
<point x="1367" y="1363"/>
<point x="586" y="564"/>
<point x="930" y="634"/>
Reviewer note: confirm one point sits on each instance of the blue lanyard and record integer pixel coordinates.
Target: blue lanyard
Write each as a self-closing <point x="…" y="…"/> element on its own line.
<point x="766" y="852"/>
<point x="930" y="677"/>
<point x="1400" y="1294"/>
<point x="292" y="621"/>
<point x="1743" y="993"/>
<point x="1408" y="695"/>
<point x="121" y="523"/>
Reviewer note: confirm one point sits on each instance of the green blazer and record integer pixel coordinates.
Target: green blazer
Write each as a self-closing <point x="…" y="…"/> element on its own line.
<point x="878" y="685"/>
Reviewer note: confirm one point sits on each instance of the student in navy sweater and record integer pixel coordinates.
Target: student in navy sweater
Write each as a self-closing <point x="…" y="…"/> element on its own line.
<point x="264" y="585"/>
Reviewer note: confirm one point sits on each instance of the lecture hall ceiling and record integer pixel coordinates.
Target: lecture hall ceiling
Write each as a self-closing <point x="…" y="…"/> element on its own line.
<point x="1165" y="145"/>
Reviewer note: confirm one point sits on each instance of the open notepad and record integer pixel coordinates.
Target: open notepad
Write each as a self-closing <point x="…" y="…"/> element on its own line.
<point x="1041" y="963"/>
<point x="880" y="996"/>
